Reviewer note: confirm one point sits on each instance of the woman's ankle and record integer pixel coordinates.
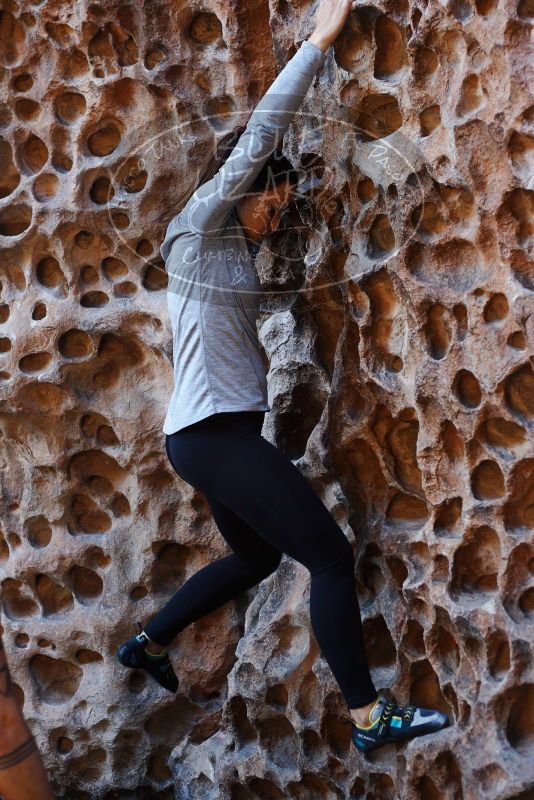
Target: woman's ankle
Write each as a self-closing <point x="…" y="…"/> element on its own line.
<point x="153" y="647"/>
<point x="361" y="715"/>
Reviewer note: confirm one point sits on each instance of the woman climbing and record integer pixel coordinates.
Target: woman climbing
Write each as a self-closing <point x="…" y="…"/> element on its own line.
<point x="260" y="501"/>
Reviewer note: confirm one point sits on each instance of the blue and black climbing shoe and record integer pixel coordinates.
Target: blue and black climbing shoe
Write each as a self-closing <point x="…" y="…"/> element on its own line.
<point x="390" y="722"/>
<point x="133" y="654"/>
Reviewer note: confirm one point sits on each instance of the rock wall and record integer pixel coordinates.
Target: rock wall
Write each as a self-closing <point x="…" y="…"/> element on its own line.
<point x="399" y="328"/>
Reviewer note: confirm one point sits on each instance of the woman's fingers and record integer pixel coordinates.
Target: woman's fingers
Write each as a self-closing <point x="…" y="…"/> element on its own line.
<point x="331" y="17"/>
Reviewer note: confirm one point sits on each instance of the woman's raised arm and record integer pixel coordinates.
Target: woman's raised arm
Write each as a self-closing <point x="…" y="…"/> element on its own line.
<point x="210" y="204"/>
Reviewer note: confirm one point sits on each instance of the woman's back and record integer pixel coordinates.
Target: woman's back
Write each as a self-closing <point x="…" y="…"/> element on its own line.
<point x="213" y="301"/>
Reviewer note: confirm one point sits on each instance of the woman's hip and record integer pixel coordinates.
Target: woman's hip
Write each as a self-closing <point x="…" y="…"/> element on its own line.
<point x="198" y="451"/>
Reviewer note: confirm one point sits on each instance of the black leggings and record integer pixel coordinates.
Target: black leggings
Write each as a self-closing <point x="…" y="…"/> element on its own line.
<point x="263" y="507"/>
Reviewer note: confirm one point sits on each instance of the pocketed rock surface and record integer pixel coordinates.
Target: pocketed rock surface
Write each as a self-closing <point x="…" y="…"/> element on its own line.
<point x="398" y="329"/>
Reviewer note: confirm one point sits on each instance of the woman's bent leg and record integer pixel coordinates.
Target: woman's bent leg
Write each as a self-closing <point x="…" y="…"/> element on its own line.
<point x="262" y="486"/>
<point x="253" y="560"/>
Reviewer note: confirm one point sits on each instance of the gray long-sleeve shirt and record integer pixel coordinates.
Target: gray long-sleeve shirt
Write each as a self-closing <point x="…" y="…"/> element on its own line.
<point x="213" y="290"/>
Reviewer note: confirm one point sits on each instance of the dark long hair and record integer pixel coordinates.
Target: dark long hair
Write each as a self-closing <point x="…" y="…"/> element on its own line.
<point x="277" y="168"/>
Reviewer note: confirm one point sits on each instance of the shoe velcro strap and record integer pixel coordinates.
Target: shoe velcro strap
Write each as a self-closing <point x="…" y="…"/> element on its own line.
<point x="404" y="712"/>
<point x="385" y="719"/>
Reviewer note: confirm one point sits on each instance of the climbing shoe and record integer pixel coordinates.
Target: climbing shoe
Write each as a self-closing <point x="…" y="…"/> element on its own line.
<point x="390" y="722"/>
<point x="133" y="654"/>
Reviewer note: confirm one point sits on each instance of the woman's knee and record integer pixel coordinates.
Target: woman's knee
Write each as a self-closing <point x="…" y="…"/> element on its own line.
<point x="339" y="554"/>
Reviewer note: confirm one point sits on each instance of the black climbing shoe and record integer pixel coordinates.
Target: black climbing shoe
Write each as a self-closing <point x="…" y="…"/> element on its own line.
<point x="390" y="722"/>
<point x="132" y="654"/>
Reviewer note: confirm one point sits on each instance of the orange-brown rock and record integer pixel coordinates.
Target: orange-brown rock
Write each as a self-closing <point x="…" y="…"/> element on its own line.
<point x="399" y="328"/>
